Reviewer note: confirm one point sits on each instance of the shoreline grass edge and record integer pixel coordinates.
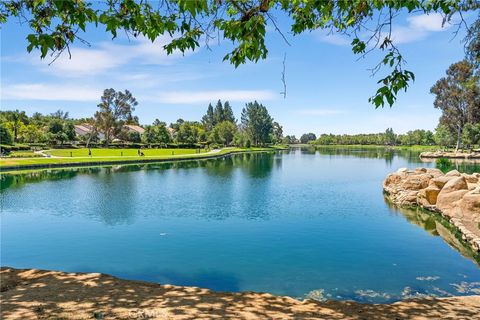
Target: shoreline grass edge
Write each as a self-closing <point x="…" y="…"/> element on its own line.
<point x="56" y="164"/>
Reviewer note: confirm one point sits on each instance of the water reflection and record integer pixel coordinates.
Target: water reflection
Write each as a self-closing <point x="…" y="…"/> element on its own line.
<point x="412" y="156"/>
<point x="17" y="180"/>
<point x="286" y="223"/>
<point x="462" y="165"/>
<point x="256" y="165"/>
<point x="436" y="226"/>
<point x="370" y="152"/>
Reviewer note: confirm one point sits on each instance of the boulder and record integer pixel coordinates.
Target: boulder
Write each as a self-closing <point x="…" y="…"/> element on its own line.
<point x="470" y="178"/>
<point x="453" y="173"/>
<point x="435" y="172"/>
<point x="446" y="201"/>
<point x="408" y="198"/>
<point x="392" y="179"/>
<point x="470" y="203"/>
<point x="455" y="184"/>
<point x="440" y="181"/>
<point x="416" y="181"/>
<point x="431" y="194"/>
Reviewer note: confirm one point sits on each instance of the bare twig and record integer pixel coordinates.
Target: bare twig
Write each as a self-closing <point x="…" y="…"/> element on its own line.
<point x="277" y="28"/>
<point x="284" y="92"/>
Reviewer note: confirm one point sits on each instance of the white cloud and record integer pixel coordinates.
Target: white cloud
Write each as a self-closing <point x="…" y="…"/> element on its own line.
<point x="144" y="80"/>
<point x="418" y="28"/>
<point x="38" y="91"/>
<point x="184" y="97"/>
<point x="105" y="56"/>
<point x="320" y="112"/>
<point x="70" y="92"/>
<point x="428" y="22"/>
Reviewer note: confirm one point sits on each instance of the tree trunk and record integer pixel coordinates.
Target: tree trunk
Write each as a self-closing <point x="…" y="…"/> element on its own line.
<point x="459" y="136"/>
<point x="88" y="141"/>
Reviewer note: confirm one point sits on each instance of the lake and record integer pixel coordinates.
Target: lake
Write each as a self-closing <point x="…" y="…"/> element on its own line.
<point x="301" y="223"/>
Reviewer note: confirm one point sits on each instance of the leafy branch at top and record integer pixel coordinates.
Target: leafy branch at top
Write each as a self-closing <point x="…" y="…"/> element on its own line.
<point x="57" y="24"/>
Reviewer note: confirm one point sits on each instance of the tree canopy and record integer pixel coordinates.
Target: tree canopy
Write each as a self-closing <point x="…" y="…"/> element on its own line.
<point x="257" y="123"/>
<point x="56" y="24"/>
<point x="115" y="110"/>
<point x="458" y="97"/>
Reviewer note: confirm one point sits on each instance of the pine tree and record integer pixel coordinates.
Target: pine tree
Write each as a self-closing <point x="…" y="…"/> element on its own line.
<point x="228" y="112"/>
<point x="218" y="115"/>
<point x="208" y="118"/>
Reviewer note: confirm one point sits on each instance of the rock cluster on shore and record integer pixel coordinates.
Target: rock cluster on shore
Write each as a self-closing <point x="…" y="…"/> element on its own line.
<point x="455" y="195"/>
<point x="450" y="155"/>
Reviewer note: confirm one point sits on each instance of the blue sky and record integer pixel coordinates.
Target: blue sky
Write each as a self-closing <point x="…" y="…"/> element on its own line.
<point x="327" y="88"/>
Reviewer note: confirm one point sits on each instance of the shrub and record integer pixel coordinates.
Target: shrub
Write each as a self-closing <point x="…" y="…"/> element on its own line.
<point x="19" y="154"/>
<point x="5" y="135"/>
<point x="444" y="164"/>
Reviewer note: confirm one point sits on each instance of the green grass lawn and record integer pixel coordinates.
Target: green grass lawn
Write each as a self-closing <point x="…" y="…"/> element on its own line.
<point x="110" y="156"/>
<point x="102" y="152"/>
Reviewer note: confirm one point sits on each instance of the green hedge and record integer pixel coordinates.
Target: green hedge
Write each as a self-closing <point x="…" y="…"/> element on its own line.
<point x="5" y="148"/>
<point x="20" y="154"/>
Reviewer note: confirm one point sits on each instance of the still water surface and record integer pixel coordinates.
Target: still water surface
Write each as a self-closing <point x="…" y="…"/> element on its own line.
<point x="301" y="223"/>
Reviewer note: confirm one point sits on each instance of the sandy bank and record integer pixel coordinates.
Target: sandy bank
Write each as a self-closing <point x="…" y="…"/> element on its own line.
<point x="39" y="294"/>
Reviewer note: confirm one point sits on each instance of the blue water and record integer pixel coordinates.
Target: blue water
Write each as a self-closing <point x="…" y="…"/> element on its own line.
<point x="298" y="223"/>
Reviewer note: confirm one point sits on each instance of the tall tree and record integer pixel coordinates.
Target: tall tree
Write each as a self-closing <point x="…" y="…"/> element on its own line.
<point x="156" y="133"/>
<point x="190" y="132"/>
<point x="471" y="135"/>
<point x="307" y="137"/>
<point x="443" y="136"/>
<point x="31" y="133"/>
<point x="115" y="110"/>
<point x="224" y="132"/>
<point x="228" y="112"/>
<point x="16" y="119"/>
<point x="257" y="122"/>
<point x="5" y="135"/>
<point x="218" y="114"/>
<point x="60" y="114"/>
<point x="208" y="119"/>
<point x="458" y="97"/>
<point x="390" y="137"/>
<point x="60" y="130"/>
<point x="277" y="131"/>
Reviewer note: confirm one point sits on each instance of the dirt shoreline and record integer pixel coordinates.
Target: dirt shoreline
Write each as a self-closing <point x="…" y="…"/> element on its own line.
<point x="42" y="294"/>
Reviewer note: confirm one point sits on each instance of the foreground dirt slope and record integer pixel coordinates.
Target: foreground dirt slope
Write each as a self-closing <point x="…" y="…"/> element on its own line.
<point x="39" y="294"/>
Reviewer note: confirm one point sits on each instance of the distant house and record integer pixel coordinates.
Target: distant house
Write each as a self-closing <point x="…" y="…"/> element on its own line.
<point x="171" y="131"/>
<point x="134" y="128"/>
<point x="85" y="129"/>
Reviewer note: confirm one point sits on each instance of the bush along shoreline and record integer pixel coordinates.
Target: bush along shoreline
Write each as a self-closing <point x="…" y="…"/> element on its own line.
<point x="454" y="195"/>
